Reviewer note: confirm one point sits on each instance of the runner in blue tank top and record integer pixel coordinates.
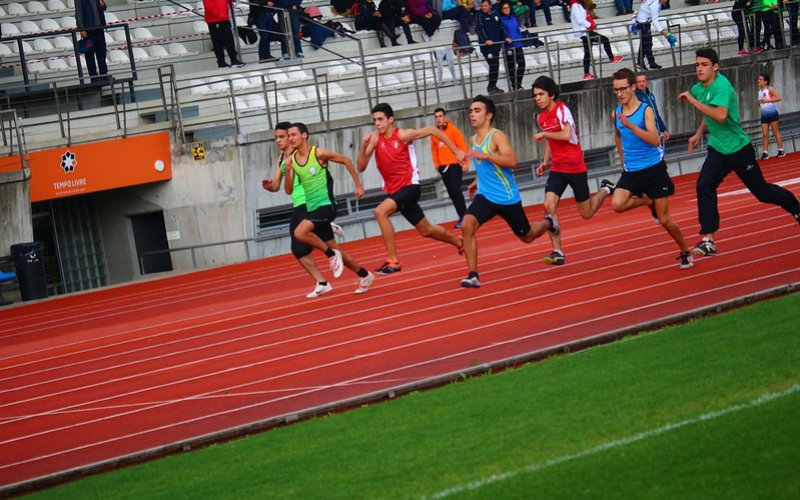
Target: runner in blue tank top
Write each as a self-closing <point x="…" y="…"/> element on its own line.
<point x="645" y="180"/>
<point x="494" y="191"/>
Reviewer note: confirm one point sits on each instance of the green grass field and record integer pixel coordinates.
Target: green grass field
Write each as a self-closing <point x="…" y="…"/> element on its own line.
<point x="710" y="409"/>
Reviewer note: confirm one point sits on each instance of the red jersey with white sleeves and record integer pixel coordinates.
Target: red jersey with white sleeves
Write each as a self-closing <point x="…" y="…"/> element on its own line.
<point x="567" y="156"/>
<point x="396" y="162"/>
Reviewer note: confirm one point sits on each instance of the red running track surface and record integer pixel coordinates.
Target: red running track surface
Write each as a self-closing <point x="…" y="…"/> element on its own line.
<point x="93" y="377"/>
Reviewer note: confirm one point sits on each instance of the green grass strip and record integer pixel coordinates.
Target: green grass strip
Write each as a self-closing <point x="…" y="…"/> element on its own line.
<point x="503" y="425"/>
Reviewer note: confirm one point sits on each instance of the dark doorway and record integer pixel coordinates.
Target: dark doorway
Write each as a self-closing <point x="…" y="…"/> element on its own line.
<point x="152" y="249"/>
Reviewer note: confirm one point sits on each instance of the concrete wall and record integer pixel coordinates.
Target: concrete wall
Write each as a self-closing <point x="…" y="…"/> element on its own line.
<point x="15" y="211"/>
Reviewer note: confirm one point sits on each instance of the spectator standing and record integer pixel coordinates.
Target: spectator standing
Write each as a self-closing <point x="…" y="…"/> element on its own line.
<point x="744" y="25"/>
<point x="491" y="35"/>
<point x="393" y="16"/>
<point x="515" y="58"/>
<point x="447" y="164"/>
<point x="368" y="17"/>
<point x="772" y="29"/>
<point x="217" y="16"/>
<point x="262" y="16"/>
<point x="767" y="97"/>
<point x="647" y="16"/>
<point x="453" y="10"/>
<point x="583" y="29"/>
<point x="420" y="12"/>
<point x="294" y="8"/>
<point x="644" y="95"/>
<point x="91" y="14"/>
<point x="794" y="32"/>
<point x="624" y="7"/>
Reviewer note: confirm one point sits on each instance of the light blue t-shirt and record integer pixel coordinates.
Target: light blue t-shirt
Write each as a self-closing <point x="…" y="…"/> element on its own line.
<point x="639" y="155"/>
<point x="495" y="183"/>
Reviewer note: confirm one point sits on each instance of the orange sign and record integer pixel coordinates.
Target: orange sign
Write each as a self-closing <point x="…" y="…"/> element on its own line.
<point x="98" y="166"/>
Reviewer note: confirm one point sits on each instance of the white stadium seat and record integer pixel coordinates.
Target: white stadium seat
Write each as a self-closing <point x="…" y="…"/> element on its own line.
<point x="9" y="29"/>
<point x="57" y="64"/>
<point x="62" y="42"/>
<point x="42" y="45"/>
<point x="119" y="36"/>
<point x="111" y="18"/>
<point x="311" y="92"/>
<point x="29" y="27"/>
<point x="68" y="22"/>
<point x="140" y="55"/>
<point x="141" y="34"/>
<point x="72" y="62"/>
<point x="199" y="87"/>
<point x="109" y="39"/>
<point x="16" y="9"/>
<point x="2" y="12"/>
<point x="219" y="84"/>
<point x="35" y="7"/>
<point x="199" y="28"/>
<point x="49" y="24"/>
<point x="118" y="57"/>
<point x="256" y="101"/>
<point x="5" y="50"/>
<point x="36" y="66"/>
<point x="278" y="76"/>
<point x="56" y="5"/>
<point x="390" y="81"/>
<point x="26" y="47"/>
<point x="177" y="49"/>
<point x="158" y="51"/>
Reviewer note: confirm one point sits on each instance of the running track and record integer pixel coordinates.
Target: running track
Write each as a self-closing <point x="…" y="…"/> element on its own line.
<point x="92" y="378"/>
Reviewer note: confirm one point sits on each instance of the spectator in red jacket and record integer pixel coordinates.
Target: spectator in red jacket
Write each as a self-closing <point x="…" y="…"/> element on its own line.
<point x="217" y="16"/>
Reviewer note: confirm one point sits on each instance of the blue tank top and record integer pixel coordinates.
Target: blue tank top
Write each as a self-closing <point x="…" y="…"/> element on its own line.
<point x="495" y="183"/>
<point x="639" y="155"/>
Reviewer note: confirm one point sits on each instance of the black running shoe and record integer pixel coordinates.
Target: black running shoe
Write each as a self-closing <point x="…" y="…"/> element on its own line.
<point x="553" y="229"/>
<point x="704" y="248"/>
<point x="608" y="186"/>
<point x="555" y="258"/>
<point x="687" y="261"/>
<point x="652" y="208"/>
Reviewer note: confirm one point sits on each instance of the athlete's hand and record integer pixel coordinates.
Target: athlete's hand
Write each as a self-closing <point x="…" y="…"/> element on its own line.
<point x="624" y="120"/>
<point x="538" y="136"/>
<point x="541" y="168"/>
<point x="478" y="155"/>
<point x="365" y="139"/>
<point x="694" y="141"/>
<point x="462" y="158"/>
<point x="666" y="135"/>
<point x="359" y="192"/>
<point x="465" y="165"/>
<point x="472" y="189"/>
<point x="686" y="97"/>
<point x="267" y="184"/>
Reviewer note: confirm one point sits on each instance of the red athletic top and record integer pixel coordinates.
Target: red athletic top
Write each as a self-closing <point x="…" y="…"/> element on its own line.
<point x="567" y="155"/>
<point x="396" y="162"/>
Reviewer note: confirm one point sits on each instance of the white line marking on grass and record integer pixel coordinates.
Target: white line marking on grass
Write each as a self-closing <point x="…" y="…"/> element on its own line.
<point x="537" y="466"/>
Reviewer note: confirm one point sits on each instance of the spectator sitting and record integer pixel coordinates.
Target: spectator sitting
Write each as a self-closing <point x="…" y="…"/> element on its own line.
<point x="521" y="11"/>
<point x="90" y="14"/>
<point x="368" y="17"/>
<point x="392" y="14"/>
<point x="217" y="17"/>
<point x="420" y="13"/>
<point x="453" y="10"/>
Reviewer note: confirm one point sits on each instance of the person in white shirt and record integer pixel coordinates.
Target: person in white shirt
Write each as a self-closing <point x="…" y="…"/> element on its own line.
<point x="583" y="29"/>
<point x="646" y="17"/>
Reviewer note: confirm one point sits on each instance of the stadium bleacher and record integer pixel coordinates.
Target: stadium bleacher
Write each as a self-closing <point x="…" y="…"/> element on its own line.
<point x="166" y="33"/>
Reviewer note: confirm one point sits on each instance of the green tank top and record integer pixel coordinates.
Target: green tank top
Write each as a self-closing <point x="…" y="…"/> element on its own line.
<point x="315" y="179"/>
<point x="298" y="194"/>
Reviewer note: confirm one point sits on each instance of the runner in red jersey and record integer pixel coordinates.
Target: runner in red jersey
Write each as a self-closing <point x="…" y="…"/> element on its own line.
<point x="396" y="161"/>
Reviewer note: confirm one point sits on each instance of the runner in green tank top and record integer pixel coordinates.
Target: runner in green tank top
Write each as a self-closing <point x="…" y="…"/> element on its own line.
<point x="310" y="166"/>
<point x="300" y="250"/>
<point x="729" y="150"/>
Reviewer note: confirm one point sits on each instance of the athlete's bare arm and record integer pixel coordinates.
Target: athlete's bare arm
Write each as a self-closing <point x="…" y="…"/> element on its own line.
<point x="617" y="138"/>
<point x="649" y="134"/>
<point x="368" y="143"/>
<point x="412" y="134"/>
<point x="694" y="140"/>
<point x="272" y="184"/>
<point x="548" y="153"/>
<point x="562" y="135"/>
<point x="502" y="154"/>
<point x="288" y="180"/>
<point x="323" y="155"/>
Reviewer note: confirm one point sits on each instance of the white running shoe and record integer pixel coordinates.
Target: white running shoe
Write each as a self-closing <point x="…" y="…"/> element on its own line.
<point x="337" y="230"/>
<point x="320" y="289"/>
<point x="364" y="283"/>
<point x="337" y="264"/>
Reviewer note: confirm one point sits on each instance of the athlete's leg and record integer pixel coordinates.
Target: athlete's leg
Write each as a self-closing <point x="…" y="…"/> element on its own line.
<point x="437" y="232"/>
<point x="623" y="200"/>
<point x="777" y="134"/>
<point x="551" y="200"/>
<point x="587" y="208"/>
<point x="537" y="229"/>
<point x="469" y="228"/>
<point x="382" y="213"/>
<point x="765" y="137"/>
<point x="765" y="192"/>
<point x="713" y="171"/>
<point x="305" y="234"/>
<point x="666" y="221"/>
<point x="307" y="262"/>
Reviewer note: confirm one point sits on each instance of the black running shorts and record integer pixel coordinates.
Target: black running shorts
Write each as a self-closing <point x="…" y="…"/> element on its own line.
<point x="557" y="183"/>
<point x="407" y="201"/>
<point x="322" y="218"/>
<point x="514" y="215"/>
<point x="653" y="181"/>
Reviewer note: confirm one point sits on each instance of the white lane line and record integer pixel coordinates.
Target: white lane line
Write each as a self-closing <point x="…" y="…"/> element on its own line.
<point x="229" y="411"/>
<point x="784" y="183"/>
<point x="762" y="399"/>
